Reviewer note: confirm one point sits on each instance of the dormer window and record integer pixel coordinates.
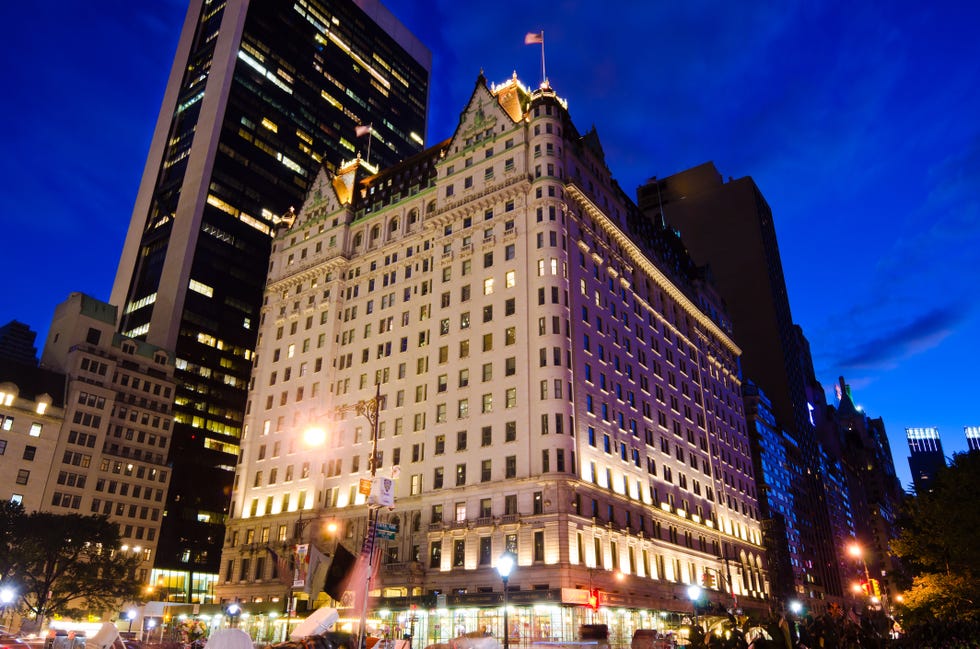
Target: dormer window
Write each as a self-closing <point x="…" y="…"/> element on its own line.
<point x="43" y="403"/>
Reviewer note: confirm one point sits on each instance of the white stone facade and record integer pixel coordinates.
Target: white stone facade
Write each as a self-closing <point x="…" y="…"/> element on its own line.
<point x="547" y="387"/>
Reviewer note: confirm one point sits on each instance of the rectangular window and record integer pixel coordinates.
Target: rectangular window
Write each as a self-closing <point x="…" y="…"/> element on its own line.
<point x="510" y="466"/>
<point x="435" y="555"/>
<point x="485" y="550"/>
<point x="459" y="553"/>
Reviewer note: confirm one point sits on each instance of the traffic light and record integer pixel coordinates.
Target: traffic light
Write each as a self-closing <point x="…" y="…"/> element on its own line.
<point x="875" y="588"/>
<point x="594" y="599"/>
<point x="708" y="580"/>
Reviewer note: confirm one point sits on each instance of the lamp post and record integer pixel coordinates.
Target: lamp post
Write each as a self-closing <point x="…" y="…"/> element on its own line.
<point x="796" y="608"/>
<point x="131" y="615"/>
<point x="857" y="552"/>
<point x="505" y="564"/>
<point x="728" y="577"/>
<point x="369" y="409"/>
<point x="7" y="597"/>
<point x="694" y="594"/>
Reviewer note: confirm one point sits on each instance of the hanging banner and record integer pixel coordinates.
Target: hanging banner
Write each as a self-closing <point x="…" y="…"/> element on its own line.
<point x="301" y="557"/>
<point x="382" y="492"/>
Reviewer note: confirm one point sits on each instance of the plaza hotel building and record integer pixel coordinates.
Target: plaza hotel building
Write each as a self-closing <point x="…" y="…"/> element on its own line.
<point x="556" y="380"/>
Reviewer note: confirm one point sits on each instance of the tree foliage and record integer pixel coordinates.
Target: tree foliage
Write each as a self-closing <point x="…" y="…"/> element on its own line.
<point x="65" y="564"/>
<point x="940" y="545"/>
<point x="11" y="520"/>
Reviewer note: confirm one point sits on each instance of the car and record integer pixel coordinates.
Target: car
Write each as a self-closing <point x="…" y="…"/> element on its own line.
<point x="8" y="641"/>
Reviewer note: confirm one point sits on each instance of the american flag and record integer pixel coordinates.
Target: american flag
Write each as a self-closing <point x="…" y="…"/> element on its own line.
<point x="534" y="38"/>
<point x="284" y="571"/>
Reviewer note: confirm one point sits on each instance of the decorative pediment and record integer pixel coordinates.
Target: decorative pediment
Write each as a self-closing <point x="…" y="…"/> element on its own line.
<point x="482" y="112"/>
<point x="329" y="192"/>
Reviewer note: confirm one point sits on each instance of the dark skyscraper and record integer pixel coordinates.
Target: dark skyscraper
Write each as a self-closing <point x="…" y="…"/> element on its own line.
<point x="972" y="437"/>
<point x="926" y="456"/>
<point x="728" y="226"/>
<point x="261" y="95"/>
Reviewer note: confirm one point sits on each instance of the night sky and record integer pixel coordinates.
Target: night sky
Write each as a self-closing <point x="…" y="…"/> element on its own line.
<point x="859" y="121"/>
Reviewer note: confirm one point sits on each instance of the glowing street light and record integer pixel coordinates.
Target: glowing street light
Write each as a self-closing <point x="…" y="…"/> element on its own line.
<point x="505" y="564"/>
<point x="694" y="594"/>
<point x="315" y="436"/>
<point x="7" y="597"/>
<point x="856" y="551"/>
<point x="131" y="615"/>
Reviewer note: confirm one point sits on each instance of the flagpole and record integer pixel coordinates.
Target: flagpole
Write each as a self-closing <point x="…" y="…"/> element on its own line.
<point x="370" y="137"/>
<point x="544" y="77"/>
<point x="370" y="409"/>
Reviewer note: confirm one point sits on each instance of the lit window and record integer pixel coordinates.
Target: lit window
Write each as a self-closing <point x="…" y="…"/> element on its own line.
<point x="488" y="286"/>
<point x="510" y="279"/>
<point x="35" y="429"/>
<point x="199" y="287"/>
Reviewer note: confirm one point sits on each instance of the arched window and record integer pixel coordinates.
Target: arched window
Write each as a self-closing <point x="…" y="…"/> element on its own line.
<point x="430" y="208"/>
<point x="358" y="240"/>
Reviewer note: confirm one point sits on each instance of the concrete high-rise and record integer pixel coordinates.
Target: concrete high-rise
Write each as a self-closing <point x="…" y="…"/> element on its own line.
<point x="262" y="95"/>
<point x="88" y="431"/>
<point x="556" y="380"/>
<point x="875" y="492"/>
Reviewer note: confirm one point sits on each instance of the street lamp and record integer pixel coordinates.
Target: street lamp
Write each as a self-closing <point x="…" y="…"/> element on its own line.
<point x="7" y="597"/>
<point x="505" y="564"/>
<point x="694" y="594"/>
<point x="233" y="611"/>
<point x="131" y="615"/>
<point x="369" y="409"/>
<point x="855" y="550"/>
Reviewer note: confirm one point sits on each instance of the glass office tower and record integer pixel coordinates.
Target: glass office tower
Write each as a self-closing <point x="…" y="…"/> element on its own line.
<point x="261" y="95"/>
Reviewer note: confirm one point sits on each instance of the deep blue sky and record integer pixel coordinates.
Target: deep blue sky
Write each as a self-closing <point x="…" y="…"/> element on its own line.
<point x="860" y="122"/>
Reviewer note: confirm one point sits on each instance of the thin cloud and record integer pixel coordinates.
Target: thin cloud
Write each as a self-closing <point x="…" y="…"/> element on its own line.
<point x="889" y="347"/>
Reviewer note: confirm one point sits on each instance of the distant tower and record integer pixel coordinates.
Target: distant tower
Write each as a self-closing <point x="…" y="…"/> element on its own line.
<point x="261" y="96"/>
<point x="972" y="437"/>
<point x="729" y="227"/>
<point x="17" y="343"/>
<point x="926" y="456"/>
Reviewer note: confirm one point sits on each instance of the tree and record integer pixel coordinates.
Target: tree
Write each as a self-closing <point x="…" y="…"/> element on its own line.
<point x="67" y="564"/>
<point x="11" y="523"/>
<point x="940" y="545"/>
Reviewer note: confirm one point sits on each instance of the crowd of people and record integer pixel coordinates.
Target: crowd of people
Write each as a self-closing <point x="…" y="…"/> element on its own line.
<point x="836" y="629"/>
